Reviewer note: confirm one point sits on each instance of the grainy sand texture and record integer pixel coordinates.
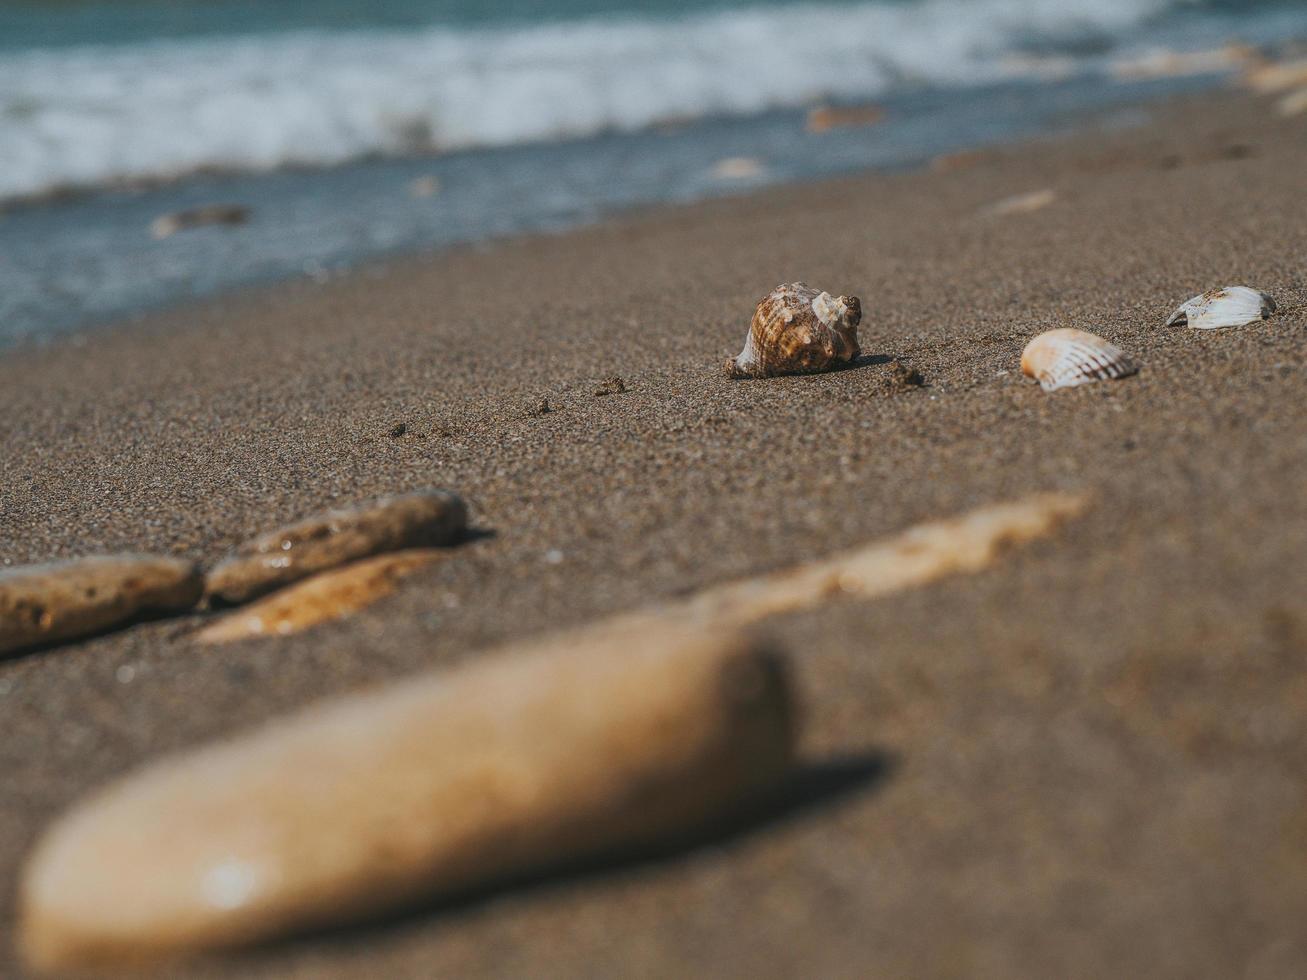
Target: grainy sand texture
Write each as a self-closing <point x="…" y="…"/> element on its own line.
<point x="1088" y="759"/>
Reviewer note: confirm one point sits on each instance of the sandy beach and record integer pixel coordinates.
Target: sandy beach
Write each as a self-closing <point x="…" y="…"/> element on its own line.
<point x="1085" y="761"/>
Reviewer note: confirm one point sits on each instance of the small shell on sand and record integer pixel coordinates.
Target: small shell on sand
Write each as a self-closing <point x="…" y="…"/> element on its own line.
<point x="328" y="595"/>
<point x="212" y="214"/>
<point x="290" y="553"/>
<point x="42" y="604"/>
<point x="1229" y="306"/>
<point x="1066" y="358"/>
<point x="1021" y="203"/>
<point x="520" y="761"/>
<point x="798" y="330"/>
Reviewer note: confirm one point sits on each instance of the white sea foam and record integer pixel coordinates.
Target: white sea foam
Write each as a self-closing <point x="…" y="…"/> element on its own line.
<point x="89" y="115"/>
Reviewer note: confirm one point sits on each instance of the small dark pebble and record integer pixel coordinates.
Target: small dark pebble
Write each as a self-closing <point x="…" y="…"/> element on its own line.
<point x="903" y="376"/>
<point x="610" y="386"/>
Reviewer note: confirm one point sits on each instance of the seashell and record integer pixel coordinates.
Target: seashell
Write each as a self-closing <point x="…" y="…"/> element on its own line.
<point x="1231" y="306"/>
<point x="798" y="330"/>
<point x="572" y="748"/>
<point x="1065" y="358"/>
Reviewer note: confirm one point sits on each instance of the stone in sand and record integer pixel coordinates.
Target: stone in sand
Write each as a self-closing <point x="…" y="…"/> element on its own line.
<point x="1293" y="104"/>
<point x="329" y="595"/>
<point x="520" y="762"/>
<point x="334" y="538"/>
<point x="824" y="118"/>
<point x="738" y="168"/>
<point x="167" y="225"/>
<point x="1021" y="203"/>
<point x="41" y="604"/>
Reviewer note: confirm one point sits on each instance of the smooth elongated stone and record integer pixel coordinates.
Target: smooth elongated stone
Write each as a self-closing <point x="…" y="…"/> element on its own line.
<point x="321" y="598"/>
<point x="296" y="551"/>
<point x="41" y="604"/>
<point x="591" y="742"/>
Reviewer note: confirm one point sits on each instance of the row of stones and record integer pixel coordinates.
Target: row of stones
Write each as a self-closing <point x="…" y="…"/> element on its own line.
<point x="644" y="727"/>
<point x="41" y="605"/>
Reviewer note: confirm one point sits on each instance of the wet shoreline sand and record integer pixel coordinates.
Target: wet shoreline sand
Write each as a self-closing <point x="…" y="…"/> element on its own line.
<point x="1086" y="759"/>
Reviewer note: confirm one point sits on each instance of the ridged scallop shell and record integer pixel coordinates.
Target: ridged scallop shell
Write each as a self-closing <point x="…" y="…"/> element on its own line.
<point x="1230" y="306"/>
<point x="1065" y="358"/>
<point x="798" y="330"/>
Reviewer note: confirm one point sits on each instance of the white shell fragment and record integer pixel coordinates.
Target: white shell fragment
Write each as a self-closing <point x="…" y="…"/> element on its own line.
<point x="1231" y="306"/>
<point x="1065" y="358"/>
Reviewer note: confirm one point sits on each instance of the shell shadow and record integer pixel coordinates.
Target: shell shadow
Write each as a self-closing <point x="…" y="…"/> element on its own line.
<point x="810" y="787"/>
<point x="868" y="360"/>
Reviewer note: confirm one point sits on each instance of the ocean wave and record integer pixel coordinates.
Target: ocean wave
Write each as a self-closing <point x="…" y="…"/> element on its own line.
<point x="87" y="116"/>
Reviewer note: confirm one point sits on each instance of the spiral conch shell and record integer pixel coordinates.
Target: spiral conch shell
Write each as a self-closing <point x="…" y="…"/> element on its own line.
<point x="1066" y="358"/>
<point x="1231" y="306"/>
<point x="799" y="330"/>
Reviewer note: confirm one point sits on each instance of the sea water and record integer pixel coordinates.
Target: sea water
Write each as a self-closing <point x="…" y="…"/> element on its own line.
<point x="353" y="129"/>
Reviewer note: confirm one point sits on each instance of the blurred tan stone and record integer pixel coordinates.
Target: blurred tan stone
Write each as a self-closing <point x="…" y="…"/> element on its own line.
<point x="167" y="225"/>
<point x="1272" y="77"/>
<point x="824" y="118"/>
<point x="584" y="744"/>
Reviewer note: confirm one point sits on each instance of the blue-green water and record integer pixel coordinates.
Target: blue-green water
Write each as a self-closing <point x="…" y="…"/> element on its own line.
<point x="317" y="114"/>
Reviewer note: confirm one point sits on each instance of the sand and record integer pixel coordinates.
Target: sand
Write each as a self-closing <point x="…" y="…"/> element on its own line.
<point x="1086" y="760"/>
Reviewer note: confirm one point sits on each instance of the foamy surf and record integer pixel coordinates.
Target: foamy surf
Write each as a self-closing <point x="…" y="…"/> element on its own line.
<point x="86" y="116"/>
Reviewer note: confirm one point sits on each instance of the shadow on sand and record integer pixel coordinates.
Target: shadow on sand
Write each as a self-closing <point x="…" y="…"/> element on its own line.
<point x="811" y="787"/>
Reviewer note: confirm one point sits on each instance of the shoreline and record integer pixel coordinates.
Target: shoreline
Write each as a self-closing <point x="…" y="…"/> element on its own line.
<point x="1089" y="756"/>
<point x="93" y="260"/>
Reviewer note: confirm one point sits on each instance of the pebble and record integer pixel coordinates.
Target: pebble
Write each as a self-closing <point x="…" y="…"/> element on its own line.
<point x="328" y="595"/>
<point x="822" y="119"/>
<point x="334" y="538"/>
<point x="42" y="604"/>
<point x="738" y="168"/>
<point x="582" y="745"/>
<point x="167" y="225"/>
<point x="1021" y="203"/>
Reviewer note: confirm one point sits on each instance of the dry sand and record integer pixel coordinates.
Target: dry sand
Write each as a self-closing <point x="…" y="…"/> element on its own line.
<point x="1087" y="760"/>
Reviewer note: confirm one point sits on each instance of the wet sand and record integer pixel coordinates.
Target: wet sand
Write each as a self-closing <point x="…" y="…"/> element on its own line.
<point x="1087" y="760"/>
